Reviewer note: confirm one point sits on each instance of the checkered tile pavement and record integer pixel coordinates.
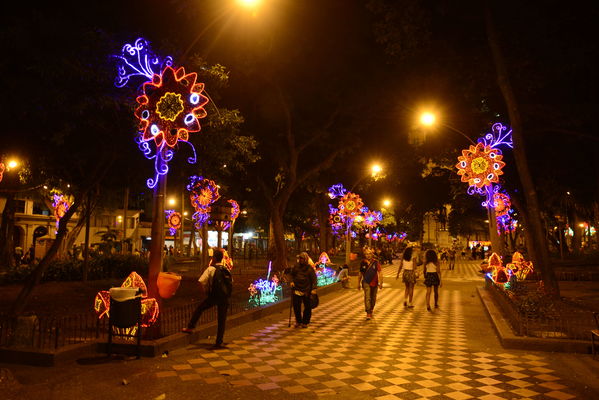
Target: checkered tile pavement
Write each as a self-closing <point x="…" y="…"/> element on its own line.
<point x="464" y="270"/>
<point x="400" y="354"/>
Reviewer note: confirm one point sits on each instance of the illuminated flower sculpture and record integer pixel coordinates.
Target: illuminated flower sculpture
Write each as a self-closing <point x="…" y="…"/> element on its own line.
<point x="170" y="105"/>
<point x="480" y="165"/>
<point x="372" y="218"/>
<point x="173" y="219"/>
<point x="61" y="206"/>
<point x="149" y="307"/>
<point x="350" y="205"/>
<point x="202" y="192"/>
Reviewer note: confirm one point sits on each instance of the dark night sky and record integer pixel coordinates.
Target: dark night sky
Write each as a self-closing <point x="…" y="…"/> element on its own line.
<point x="310" y="45"/>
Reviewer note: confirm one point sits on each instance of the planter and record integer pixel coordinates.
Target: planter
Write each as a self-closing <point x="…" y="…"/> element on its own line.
<point x="168" y="283"/>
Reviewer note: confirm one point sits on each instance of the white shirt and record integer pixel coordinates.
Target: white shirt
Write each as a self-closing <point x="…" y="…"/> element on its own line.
<point x="207" y="276"/>
<point x="430" y="267"/>
<point x="407" y="265"/>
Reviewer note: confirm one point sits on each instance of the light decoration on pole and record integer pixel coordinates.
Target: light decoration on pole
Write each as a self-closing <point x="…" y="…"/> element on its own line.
<point x="2" y="169"/>
<point x="350" y="205"/>
<point x="61" y="206"/>
<point x="372" y="218"/>
<point x="481" y="166"/>
<point x="336" y="191"/>
<point x="173" y="220"/>
<point x="170" y="105"/>
<point x="202" y="192"/>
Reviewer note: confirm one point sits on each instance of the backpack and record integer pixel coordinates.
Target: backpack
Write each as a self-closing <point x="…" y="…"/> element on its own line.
<point x="222" y="284"/>
<point x="370" y="272"/>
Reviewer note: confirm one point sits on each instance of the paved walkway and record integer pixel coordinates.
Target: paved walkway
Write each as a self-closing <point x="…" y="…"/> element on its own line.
<point x="451" y="353"/>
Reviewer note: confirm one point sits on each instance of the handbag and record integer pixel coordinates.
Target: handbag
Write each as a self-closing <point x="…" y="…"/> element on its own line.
<point x="314" y="301"/>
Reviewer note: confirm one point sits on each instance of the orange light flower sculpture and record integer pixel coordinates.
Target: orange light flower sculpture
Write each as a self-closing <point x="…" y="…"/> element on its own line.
<point x="149" y="306"/>
<point x="351" y="205"/>
<point x="480" y="165"/>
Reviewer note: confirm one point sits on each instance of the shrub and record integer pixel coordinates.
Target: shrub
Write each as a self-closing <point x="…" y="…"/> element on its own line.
<point x="103" y="267"/>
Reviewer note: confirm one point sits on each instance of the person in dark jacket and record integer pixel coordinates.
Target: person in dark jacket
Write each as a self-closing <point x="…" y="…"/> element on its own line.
<point x="303" y="284"/>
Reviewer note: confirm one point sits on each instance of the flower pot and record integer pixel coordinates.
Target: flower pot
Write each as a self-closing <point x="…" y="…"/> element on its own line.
<point x="168" y="283"/>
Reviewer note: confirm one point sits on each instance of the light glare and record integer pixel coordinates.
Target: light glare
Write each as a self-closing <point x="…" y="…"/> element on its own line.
<point x="427" y="119"/>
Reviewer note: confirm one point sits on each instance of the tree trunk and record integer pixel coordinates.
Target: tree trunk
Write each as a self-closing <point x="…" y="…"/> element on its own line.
<point x="157" y="243"/>
<point x="278" y="230"/>
<point x="538" y="245"/>
<point x="34" y="279"/>
<point x="7" y="228"/>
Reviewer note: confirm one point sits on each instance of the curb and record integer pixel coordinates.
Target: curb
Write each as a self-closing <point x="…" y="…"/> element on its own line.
<point x="148" y="348"/>
<point x="509" y="340"/>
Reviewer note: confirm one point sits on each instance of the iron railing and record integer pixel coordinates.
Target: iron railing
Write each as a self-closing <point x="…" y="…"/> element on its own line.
<point x="54" y="332"/>
<point x="570" y="324"/>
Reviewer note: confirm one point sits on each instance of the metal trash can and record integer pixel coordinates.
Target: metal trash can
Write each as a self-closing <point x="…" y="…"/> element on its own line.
<point x="125" y="312"/>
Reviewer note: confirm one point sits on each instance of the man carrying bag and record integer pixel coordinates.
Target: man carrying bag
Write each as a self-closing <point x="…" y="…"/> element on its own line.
<point x="218" y="283"/>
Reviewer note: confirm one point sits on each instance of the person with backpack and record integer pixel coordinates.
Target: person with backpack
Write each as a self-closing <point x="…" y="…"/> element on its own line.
<point x="303" y="284"/>
<point x="217" y="282"/>
<point x="370" y="280"/>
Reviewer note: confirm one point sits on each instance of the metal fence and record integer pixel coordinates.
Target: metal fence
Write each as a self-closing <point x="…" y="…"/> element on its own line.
<point x="54" y="332"/>
<point x="570" y="324"/>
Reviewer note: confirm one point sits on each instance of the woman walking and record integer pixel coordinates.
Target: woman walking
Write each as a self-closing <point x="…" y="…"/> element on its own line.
<point x="303" y="284"/>
<point x="409" y="275"/>
<point x="432" y="277"/>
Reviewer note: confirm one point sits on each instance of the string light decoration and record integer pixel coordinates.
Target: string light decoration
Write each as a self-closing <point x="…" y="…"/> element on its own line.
<point x="2" y="169"/>
<point x="325" y="276"/>
<point x="170" y="105"/>
<point x="61" y="206"/>
<point x="502" y="204"/>
<point x="173" y="219"/>
<point x="350" y="205"/>
<point x="202" y="193"/>
<point x="235" y="210"/>
<point x="149" y="306"/>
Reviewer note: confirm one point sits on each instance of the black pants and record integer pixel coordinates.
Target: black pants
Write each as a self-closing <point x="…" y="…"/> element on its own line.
<point x="222" y="308"/>
<point x="297" y="309"/>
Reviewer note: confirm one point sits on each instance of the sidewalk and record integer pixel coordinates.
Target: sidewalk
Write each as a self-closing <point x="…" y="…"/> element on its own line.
<point x="451" y="353"/>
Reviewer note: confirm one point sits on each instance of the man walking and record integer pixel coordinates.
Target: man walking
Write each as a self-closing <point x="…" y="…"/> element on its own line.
<point x="303" y="284"/>
<point x="217" y="282"/>
<point x="370" y="280"/>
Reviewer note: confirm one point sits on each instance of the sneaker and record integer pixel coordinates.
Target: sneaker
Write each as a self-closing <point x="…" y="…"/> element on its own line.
<point x="410" y="305"/>
<point x="187" y="330"/>
<point x="298" y="325"/>
<point x="368" y="316"/>
<point x="304" y="325"/>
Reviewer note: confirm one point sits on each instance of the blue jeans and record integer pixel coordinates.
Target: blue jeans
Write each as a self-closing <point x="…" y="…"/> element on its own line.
<point x="369" y="296"/>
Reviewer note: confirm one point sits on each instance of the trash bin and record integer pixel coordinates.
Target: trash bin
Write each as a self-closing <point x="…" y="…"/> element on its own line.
<point x="125" y="312"/>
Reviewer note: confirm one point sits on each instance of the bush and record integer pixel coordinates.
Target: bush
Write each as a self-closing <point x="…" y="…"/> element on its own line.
<point x="103" y="267"/>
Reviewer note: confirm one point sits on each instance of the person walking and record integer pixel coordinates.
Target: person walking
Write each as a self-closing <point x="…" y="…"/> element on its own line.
<point x="370" y="280"/>
<point x="409" y="275"/>
<point x="303" y="284"/>
<point x="217" y="282"/>
<point x="432" y="277"/>
<point x="451" y="255"/>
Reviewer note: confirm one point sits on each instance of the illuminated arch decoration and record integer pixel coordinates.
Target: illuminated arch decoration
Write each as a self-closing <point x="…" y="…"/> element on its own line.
<point x="170" y="105"/>
<point x="2" y="169"/>
<point x="61" y="206"/>
<point x="173" y="219"/>
<point x="203" y="192"/>
<point x="149" y="306"/>
<point x="350" y="205"/>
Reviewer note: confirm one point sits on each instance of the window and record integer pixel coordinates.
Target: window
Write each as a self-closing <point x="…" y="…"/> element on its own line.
<point x="20" y="206"/>
<point x="40" y="208"/>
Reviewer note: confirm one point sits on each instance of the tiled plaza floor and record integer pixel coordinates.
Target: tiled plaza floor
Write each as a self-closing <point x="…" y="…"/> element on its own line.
<point x="400" y="354"/>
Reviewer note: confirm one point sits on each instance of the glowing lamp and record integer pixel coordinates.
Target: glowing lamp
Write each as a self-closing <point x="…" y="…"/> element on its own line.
<point x="427" y="119"/>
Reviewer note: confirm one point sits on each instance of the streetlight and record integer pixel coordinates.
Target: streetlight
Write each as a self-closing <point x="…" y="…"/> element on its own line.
<point x="249" y="3"/>
<point x="12" y="164"/>
<point x="386" y="202"/>
<point x="172" y="201"/>
<point x="429" y="119"/>
<point x="376" y="173"/>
